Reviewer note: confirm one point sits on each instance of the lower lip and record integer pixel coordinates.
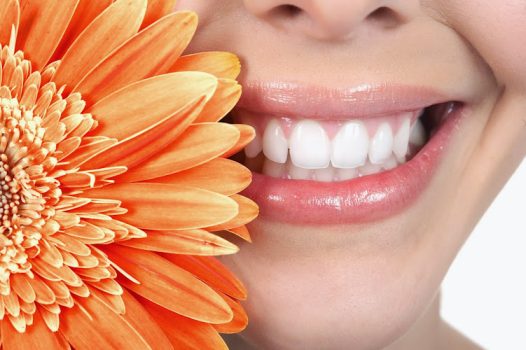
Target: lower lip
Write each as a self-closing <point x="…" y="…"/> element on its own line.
<point x="360" y="200"/>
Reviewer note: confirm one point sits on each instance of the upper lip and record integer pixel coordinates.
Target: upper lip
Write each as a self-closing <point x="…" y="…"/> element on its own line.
<point x="290" y="99"/>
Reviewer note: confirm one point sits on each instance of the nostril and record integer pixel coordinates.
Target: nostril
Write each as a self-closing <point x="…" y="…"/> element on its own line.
<point x="287" y="11"/>
<point x="386" y="16"/>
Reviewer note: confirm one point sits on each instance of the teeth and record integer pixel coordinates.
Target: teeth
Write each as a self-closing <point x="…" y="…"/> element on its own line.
<point x="418" y="134"/>
<point x="310" y="146"/>
<point x="369" y="169"/>
<point x="381" y="145"/>
<point x="273" y="169"/>
<point x="346" y="174"/>
<point x="298" y="173"/>
<point x="350" y="146"/>
<point x="324" y="175"/>
<point x="275" y="145"/>
<point x="254" y="147"/>
<point x="401" y="140"/>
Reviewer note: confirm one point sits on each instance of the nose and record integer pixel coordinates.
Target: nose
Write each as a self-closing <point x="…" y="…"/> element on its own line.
<point x="332" y="19"/>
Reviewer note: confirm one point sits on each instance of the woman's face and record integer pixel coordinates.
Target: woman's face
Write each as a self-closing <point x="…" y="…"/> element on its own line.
<point x="346" y="253"/>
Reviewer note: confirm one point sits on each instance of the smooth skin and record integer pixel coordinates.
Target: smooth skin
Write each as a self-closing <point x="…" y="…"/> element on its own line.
<point x="376" y="285"/>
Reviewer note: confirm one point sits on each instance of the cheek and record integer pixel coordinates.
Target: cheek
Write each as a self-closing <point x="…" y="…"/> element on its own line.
<point x="496" y="30"/>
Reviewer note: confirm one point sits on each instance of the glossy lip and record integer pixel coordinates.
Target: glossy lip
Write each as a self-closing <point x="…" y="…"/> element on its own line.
<point x="287" y="99"/>
<point x="359" y="200"/>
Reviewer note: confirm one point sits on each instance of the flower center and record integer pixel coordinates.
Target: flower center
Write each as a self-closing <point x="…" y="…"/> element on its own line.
<point x="22" y="197"/>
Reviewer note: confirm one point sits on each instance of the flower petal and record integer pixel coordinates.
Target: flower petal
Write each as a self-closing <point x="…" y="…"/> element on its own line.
<point x="87" y="11"/>
<point x="195" y="242"/>
<point x="156" y="10"/>
<point x="136" y="149"/>
<point x="168" y="207"/>
<point x="143" y="322"/>
<point x="211" y="271"/>
<point x="167" y="37"/>
<point x="240" y="320"/>
<point x="36" y="337"/>
<point x="146" y="102"/>
<point x="102" y="329"/>
<point x="248" y="211"/>
<point x="199" y="144"/>
<point x="227" y="94"/>
<point x="241" y="232"/>
<point x="246" y="134"/>
<point x="185" y="333"/>
<point x="10" y="15"/>
<point x="43" y="16"/>
<point x="114" y="26"/>
<point x="220" y="175"/>
<point x="221" y="64"/>
<point x="169" y="286"/>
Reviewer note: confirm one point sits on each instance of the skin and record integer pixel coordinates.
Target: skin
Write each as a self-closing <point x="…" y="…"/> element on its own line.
<point x="375" y="285"/>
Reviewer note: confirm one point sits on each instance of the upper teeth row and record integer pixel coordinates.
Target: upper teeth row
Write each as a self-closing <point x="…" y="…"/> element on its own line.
<point x="311" y="148"/>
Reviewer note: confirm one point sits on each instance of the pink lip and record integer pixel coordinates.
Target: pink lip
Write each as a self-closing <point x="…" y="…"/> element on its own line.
<point x="359" y="200"/>
<point x="286" y="99"/>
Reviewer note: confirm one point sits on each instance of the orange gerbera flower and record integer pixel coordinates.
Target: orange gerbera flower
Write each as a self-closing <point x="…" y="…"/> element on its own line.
<point x="114" y="175"/>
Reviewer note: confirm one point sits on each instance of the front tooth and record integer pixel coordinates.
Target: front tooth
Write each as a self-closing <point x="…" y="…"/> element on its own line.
<point x="298" y="173"/>
<point x="275" y="145"/>
<point x="418" y="134"/>
<point x="350" y="146"/>
<point x="310" y="146"/>
<point x="273" y="169"/>
<point x="401" y="140"/>
<point x="346" y="174"/>
<point x="254" y="147"/>
<point x="381" y="145"/>
<point x="324" y="175"/>
<point x="369" y="169"/>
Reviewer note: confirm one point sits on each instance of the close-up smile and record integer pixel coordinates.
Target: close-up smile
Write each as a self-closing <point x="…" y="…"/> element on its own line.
<point x="321" y="164"/>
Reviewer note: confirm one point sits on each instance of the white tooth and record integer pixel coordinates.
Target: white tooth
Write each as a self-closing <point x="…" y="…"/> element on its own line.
<point x="275" y="146"/>
<point x="298" y="173"/>
<point x="418" y="134"/>
<point x="381" y="145"/>
<point x="369" y="169"/>
<point x="310" y="146"/>
<point x="254" y="147"/>
<point x="401" y="140"/>
<point x="390" y="163"/>
<point x="350" y="146"/>
<point x="324" y="175"/>
<point x="346" y="174"/>
<point x="273" y="169"/>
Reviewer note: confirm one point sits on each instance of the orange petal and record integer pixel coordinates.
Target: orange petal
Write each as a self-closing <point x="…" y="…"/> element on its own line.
<point x="218" y="175"/>
<point x="221" y="64"/>
<point x="247" y="134"/>
<point x="156" y="10"/>
<point x="168" y="207"/>
<point x="199" y="144"/>
<point x="211" y="271"/>
<point x="114" y="26"/>
<point x="185" y="333"/>
<point x="195" y="242"/>
<point x="36" y="337"/>
<point x="87" y="11"/>
<point x="248" y="211"/>
<point x="43" y="16"/>
<point x="146" y="102"/>
<point x="10" y="15"/>
<point x="102" y="329"/>
<point x="240" y="320"/>
<point x="143" y="322"/>
<point x="134" y="60"/>
<point x="138" y="148"/>
<point x="225" y="98"/>
<point x="241" y="231"/>
<point x="169" y="286"/>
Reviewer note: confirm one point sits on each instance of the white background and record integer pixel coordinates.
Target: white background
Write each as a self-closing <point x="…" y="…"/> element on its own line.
<point x="484" y="293"/>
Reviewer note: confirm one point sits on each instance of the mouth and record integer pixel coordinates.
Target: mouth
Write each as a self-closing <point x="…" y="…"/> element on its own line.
<point x="342" y="156"/>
